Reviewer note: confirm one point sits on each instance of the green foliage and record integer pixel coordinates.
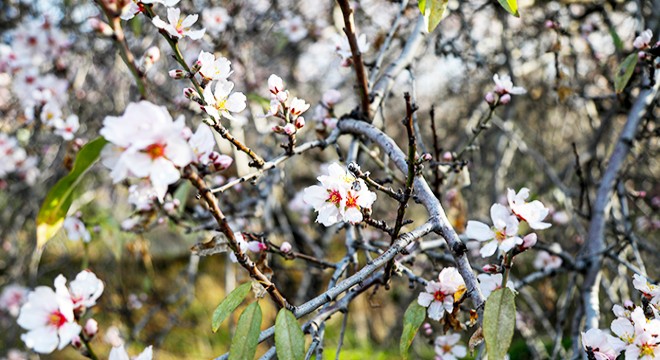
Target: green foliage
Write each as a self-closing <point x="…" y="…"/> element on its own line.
<point x="432" y="11"/>
<point x="59" y="198"/>
<point x="246" y="338"/>
<point x="625" y="71"/>
<point x="412" y="320"/>
<point x="229" y="304"/>
<point x="289" y="338"/>
<point x="499" y="322"/>
<point x="511" y="6"/>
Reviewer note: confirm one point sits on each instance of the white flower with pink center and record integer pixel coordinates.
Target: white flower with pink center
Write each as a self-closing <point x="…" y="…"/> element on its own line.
<point x="532" y="212"/>
<point x="503" y="235"/>
<point x="76" y="230"/>
<point x="212" y="68"/>
<point x="439" y="296"/>
<point x="447" y="347"/>
<point x="504" y="85"/>
<point x="66" y="128"/>
<point x="601" y="344"/>
<point x="491" y="282"/>
<point x="643" y="41"/>
<point x="48" y="318"/>
<point x="178" y="27"/>
<point x="216" y="20"/>
<point x="222" y="102"/>
<point x="12" y="297"/>
<point x="83" y="291"/>
<point x="548" y="261"/>
<point x="650" y="291"/>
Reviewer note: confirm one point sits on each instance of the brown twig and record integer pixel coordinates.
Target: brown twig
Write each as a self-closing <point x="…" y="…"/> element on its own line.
<point x="358" y="64"/>
<point x="243" y="259"/>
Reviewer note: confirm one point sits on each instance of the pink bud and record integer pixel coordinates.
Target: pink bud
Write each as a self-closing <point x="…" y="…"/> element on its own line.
<point x="505" y="99"/>
<point x="427" y="157"/>
<point x="490" y="98"/>
<point x="178" y="74"/>
<point x="278" y="129"/>
<point x="549" y="24"/>
<point x="331" y="97"/>
<point x="289" y="129"/>
<point x="100" y="27"/>
<point x="491" y="268"/>
<point x="529" y="240"/>
<point x="91" y="328"/>
<point x="152" y="54"/>
<point x="256" y="246"/>
<point x="282" y="96"/>
<point x="428" y="330"/>
<point x="628" y="304"/>
<point x="300" y="122"/>
<point x="286" y="247"/>
<point x="447" y="156"/>
<point x="223" y="162"/>
<point x="76" y="342"/>
<point x="169" y="206"/>
<point x="641" y="55"/>
<point x="196" y="66"/>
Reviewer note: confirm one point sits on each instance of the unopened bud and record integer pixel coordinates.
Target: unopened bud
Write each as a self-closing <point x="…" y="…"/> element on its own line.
<point x="331" y="97"/>
<point x="282" y="95"/>
<point x="286" y="247"/>
<point x="641" y="55"/>
<point x="289" y="129"/>
<point x="529" y="241"/>
<point x="169" y="207"/>
<point x="427" y="157"/>
<point x="178" y="74"/>
<point x="491" y="268"/>
<point x="549" y="24"/>
<point x="76" y="342"/>
<point x="186" y="133"/>
<point x="300" y="122"/>
<point x="278" y="129"/>
<point x="505" y="99"/>
<point x="91" y="328"/>
<point x="152" y="54"/>
<point x="100" y="27"/>
<point x="191" y="94"/>
<point x="196" y="66"/>
<point x="628" y="304"/>
<point x="447" y="156"/>
<point x="490" y="98"/>
<point x="221" y="162"/>
<point x="428" y="330"/>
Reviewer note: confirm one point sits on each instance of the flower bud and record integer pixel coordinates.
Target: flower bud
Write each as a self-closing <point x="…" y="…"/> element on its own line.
<point x="169" y="207"/>
<point x="447" y="156"/>
<point x="505" y="99"/>
<point x="285" y="247"/>
<point x="490" y="98"/>
<point x="331" y="97"/>
<point x="428" y="330"/>
<point x="256" y="246"/>
<point x="300" y="122"/>
<point x="289" y="129"/>
<point x="277" y="129"/>
<point x="91" y="328"/>
<point x="491" y="268"/>
<point x="628" y="304"/>
<point x="529" y="241"/>
<point x="549" y="24"/>
<point x="427" y="157"/>
<point x="152" y="54"/>
<point x="100" y="27"/>
<point x="221" y="162"/>
<point x="76" y="342"/>
<point x="178" y="74"/>
<point x="196" y="66"/>
<point x="282" y="96"/>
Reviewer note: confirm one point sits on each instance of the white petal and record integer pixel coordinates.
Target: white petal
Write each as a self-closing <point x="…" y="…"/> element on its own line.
<point x="436" y="310"/>
<point x="42" y="340"/>
<point x="478" y="231"/>
<point x="488" y="249"/>
<point x="424" y="299"/>
<point x="67" y="332"/>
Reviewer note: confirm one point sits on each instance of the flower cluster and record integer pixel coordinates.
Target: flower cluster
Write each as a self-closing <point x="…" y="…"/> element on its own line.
<point x="37" y="50"/>
<point x="76" y="230"/>
<point x="503" y="90"/>
<point x="439" y="296"/>
<point x="145" y="142"/>
<point x="51" y="316"/>
<point x="340" y="197"/>
<point x="636" y="331"/>
<point x="503" y="235"/>
<point x="289" y="112"/>
<point x="131" y="8"/>
<point x="15" y="161"/>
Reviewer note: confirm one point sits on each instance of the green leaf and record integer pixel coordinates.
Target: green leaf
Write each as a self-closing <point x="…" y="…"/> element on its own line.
<point x="229" y="304"/>
<point x="59" y="198"/>
<point x="499" y="322"/>
<point x="246" y="338"/>
<point x="433" y="11"/>
<point x="511" y="6"/>
<point x="412" y="320"/>
<point x="624" y="73"/>
<point x="289" y="338"/>
<point x="618" y="44"/>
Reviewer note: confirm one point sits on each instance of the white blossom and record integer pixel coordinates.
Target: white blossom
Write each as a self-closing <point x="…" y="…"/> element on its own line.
<point x="438" y="296"/>
<point x="76" y="230"/>
<point x="533" y="212"/>
<point x="503" y="235"/>
<point x="504" y="85"/>
<point x="447" y="348"/>
<point x="643" y="41"/>
<point x="178" y="27"/>
<point x="216" y="20"/>
<point x="222" y="102"/>
<point x="212" y="68"/>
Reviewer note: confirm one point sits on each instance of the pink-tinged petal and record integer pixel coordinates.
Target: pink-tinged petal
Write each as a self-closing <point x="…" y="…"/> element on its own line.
<point x="189" y="20"/>
<point x="353" y="215"/>
<point x="517" y="90"/>
<point x="147" y="354"/>
<point x="436" y="310"/>
<point x="424" y="299"/>
<point x="67" y="332"/>
<point x="195" y="34"/>
<point x="178" y="151"/>
<point x="118" y="353"/>
<point x="236" y="102"/>
<point x="173" y="15"/>
<point x="43" y="340"/>
<point x="478" y="231"/>
<point x="488" y="249"/>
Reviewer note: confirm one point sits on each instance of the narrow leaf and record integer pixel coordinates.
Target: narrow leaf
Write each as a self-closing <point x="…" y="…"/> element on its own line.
<point x="625" y="71"/>
<point x="618" y="44"/>
<point x="422" y="5"/>
<point x="59" y="198"/>
<point x="289" y="338"/>
<point x="433" y="11"/>
<point x="499" y="322"/>
<point x="229" y="304"/>
<point x="511" y="6"/>
<point x="246" y="338"/>
<point x="412" y="320"/>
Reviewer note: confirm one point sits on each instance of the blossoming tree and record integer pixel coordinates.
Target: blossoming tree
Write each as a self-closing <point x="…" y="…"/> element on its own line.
<point x="287" y="179"/>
